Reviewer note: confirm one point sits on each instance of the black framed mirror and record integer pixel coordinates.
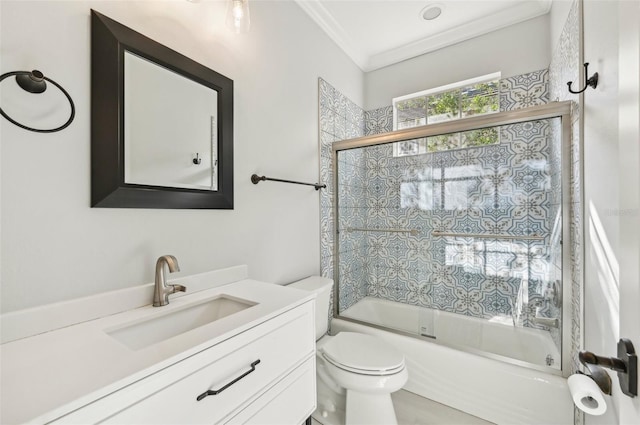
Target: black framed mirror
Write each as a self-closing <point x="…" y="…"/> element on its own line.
<point x="161" y="125"/>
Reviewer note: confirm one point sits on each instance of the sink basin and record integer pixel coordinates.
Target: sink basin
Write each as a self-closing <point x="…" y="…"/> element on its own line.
<point x="142" y="334"/>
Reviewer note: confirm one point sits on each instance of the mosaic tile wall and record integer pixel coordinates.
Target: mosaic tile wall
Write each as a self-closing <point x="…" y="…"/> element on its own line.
<point x="423" y="271"/>
<point x="566" y="65"/>
<point x="495" y="189"/>
<point x="385" y="265"/>
<point x="384" y="192"/>
<point x="340" y="118"/>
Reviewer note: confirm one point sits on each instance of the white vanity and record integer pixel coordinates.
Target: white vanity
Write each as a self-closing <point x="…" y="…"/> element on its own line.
<point x="225" y="352"/>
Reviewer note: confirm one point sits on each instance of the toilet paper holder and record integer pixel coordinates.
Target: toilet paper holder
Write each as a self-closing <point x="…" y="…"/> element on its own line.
<point x="626" y="364"/>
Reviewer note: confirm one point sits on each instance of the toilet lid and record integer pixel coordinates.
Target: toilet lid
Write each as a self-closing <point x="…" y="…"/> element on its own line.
<point x="362" y="353"/>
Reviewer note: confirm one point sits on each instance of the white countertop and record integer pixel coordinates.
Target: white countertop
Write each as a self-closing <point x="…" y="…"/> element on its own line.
<point x="50" y="374"/>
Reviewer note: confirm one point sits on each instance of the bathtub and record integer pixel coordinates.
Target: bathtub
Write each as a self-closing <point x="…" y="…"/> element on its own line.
<point x="497" y="336"/>
<point x="489" y="388"/>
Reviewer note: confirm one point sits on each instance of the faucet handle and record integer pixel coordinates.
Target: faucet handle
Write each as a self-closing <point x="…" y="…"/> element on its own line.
<point x="172" y="289"/>
<point x="178" y="288"/>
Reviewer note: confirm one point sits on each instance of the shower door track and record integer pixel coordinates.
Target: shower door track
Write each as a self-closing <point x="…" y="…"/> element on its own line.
<point x="551" y="110"/>
<point x="533" y="113"/>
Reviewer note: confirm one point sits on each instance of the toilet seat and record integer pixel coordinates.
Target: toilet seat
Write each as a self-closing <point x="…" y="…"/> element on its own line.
<point x="362" y="354"/>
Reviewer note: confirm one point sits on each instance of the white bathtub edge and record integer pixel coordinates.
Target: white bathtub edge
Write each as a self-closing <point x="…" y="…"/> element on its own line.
<point x="495" y="391"/>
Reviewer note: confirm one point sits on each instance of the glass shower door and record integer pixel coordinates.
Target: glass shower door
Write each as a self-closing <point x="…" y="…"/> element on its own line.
<point x="459" y="245"/>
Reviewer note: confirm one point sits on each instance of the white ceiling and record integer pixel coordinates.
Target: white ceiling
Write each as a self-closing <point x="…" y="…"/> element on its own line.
<point x="377" y="33"/>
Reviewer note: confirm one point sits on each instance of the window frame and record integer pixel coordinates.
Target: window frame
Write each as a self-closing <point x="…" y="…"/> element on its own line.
<point x="495" y="76"/>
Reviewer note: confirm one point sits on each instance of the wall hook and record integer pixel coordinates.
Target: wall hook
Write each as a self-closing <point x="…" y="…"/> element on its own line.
<point x="626" y="364"/>
<point x="591" y="82"/>
<point x="197" y="160"/>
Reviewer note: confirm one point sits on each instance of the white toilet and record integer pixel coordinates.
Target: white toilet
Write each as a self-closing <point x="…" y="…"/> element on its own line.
<point x="356" y="372"/>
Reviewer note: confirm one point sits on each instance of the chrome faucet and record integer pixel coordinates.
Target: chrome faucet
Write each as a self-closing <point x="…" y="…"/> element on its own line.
<point x="550" y="322"/>
<point x="162" y="290"/>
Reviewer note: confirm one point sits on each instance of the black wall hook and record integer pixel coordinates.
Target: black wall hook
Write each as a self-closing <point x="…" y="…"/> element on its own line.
<point x="591" y="82"/>
<point x="197" y="160"/>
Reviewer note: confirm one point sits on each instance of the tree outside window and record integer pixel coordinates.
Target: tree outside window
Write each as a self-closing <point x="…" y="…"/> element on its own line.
<point x="438" y="106"/>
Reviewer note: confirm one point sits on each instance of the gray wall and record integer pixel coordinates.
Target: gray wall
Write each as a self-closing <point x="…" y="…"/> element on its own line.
<point x="55" y="247"/>
<point x="612" y="189"/>
<point x="513" y="50"/>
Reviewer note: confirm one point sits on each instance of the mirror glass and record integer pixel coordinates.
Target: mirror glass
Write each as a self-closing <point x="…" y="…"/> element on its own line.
<point x="161" y="125"/>
<point x="170" y="127"/>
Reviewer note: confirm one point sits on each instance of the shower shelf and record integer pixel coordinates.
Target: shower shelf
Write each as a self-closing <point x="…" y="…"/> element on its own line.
<point x="413" y="232"/>
<point x="488" y="236"/>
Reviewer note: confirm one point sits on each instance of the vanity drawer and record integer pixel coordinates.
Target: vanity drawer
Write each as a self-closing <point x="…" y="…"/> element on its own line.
<point x="290" y="401"/>
<point x="170" y="395"/>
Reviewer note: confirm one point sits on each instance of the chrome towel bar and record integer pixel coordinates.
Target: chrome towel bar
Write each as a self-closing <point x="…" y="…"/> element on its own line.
<point x="413" y="232"/>
<point x="436" y="233"/>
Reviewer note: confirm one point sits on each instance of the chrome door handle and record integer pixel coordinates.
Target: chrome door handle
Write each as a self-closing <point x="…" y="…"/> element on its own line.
<point x="218" y="391"/>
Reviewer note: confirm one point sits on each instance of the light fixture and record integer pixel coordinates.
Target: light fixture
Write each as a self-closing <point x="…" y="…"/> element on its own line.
<point x="431" y="12"/>
<point x="238" y="19"/>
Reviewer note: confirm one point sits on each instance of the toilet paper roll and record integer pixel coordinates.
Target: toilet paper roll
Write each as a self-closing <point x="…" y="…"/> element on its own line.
<point x="586" y="394"/>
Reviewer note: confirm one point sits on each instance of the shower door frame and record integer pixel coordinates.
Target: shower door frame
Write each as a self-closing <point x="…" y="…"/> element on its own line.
<point x="562" y="110"/>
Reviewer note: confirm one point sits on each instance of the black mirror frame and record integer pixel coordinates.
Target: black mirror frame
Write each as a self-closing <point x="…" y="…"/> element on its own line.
<point x="109" y="40"/>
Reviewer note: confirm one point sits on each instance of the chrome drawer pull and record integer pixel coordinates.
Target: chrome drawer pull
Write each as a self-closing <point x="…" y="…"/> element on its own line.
<point x="214" y="392"/>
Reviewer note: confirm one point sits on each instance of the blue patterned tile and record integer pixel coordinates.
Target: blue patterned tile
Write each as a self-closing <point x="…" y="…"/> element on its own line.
<point x="501" y="304"/>
<point x="533" y="152"/>
<point x="442" y="274"/>
<point x="352" y="156"/>
<point x="394" y="292"/>
<point x="468" y="156"/>
<point x="469" y="302"/>
<point x="442" y="161"/>
<point x="471" y="220"/>
<point x="326" y="94"/>
<point x="327" y="122"/>
<point x="496" y="156"/>
<point x="340" y="105"/>
<point x="443" y="297"/>
<point x="524" y="90"/>
<point x="498" y="257"/>
<point x="416" y="195"/>
<point x="378" y="120"/>
<point x="500" y="188"/>
<point x="340" y="127"/>
<point x="377" y="166"/>
<point x="420" y="222"/>
<point x="355" y="114"/>
<point x="326" y="265"/>
<point x="418" y="271"/>
<point x="528" y="180"/>
<point x="525" y="131"/>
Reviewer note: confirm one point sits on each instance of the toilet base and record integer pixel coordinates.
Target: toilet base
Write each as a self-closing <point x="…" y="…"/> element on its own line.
<point x="331" y="399"/>
<point x="369" y="409"/>
<point x="350" y="398"/>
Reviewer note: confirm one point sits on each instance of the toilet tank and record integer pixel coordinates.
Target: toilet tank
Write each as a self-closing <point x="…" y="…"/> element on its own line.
<point x="322" y="288"/>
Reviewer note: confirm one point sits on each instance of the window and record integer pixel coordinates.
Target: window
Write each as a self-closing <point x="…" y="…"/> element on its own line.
<point x="459" y="100"/>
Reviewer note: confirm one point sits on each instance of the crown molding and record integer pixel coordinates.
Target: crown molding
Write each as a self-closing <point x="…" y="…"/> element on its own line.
<point x="333" y="29"/>
<point x="506" y="17"/>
